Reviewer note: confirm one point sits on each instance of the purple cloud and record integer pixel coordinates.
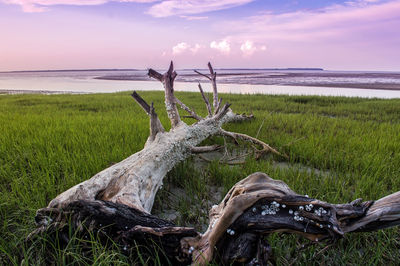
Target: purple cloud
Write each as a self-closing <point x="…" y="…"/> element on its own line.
<point x="184" y="7"/>
<point x="160" y="9"/>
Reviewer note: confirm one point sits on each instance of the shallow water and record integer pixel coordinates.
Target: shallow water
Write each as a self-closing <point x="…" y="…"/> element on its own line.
<point x="88" y="82"/>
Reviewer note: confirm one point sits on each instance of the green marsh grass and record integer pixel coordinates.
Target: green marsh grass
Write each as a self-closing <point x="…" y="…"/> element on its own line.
<point x="350" y="148"/>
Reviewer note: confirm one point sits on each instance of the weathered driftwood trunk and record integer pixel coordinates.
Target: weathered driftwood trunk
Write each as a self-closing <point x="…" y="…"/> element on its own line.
<point x="135" y="181"/>
<point x="116" y="203"/>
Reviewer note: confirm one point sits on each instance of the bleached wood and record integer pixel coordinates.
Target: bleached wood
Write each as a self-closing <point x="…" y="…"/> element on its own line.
<point x="221" y="113"/>
<point x="155" y="123"/>
<point x="216" y="110"/>
<point x="135" y="180"/>
<point x="168" y="81"/>
<point x="205" y="99"/>
<point x="203" y="149"/>
<point x="265" y="146"/>
<point x="187" y="109"/>
<point x="213" y="76"/>
<point x="201" y="74"/>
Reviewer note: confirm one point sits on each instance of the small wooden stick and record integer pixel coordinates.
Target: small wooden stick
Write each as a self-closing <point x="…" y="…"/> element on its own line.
<point x="141" y="102"/>
<point x="155" y="123"/>
<point x="265" y="146"/>
<point x="187" y="109"/>
<point x="205" y="100"/>
<point x="214" y="85"/>
<point x="213" y="79"/>
<point x="216" y="110"/>
<point x="203" y="149"/>
<point x="201" y="74"/>
<point x="154" y="74"/>
<point x="223" y="111"/>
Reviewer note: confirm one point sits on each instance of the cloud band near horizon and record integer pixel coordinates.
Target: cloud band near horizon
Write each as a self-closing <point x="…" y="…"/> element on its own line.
<point x="158" y="8"/>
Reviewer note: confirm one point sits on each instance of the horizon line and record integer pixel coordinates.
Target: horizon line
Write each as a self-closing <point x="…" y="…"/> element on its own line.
<point x="161" y="69"/>
<point x="185" y="69"/>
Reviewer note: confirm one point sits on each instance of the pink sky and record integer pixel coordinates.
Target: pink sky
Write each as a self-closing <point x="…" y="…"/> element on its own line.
<point x="78" y="34"/>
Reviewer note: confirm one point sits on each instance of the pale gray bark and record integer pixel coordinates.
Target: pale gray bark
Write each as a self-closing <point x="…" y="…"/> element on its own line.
<point x="135" y="181"/>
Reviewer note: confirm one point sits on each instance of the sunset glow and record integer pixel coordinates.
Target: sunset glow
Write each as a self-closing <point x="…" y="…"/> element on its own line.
<point x="81" y="34"/>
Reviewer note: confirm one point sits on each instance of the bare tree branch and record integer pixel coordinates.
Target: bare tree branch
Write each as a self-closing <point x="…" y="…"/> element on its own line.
<point x="205" y="100"/>
<point x="170" y="105"/>
<point x="201" y="74"/>
<point x="187" y="109"/>
<point x="213" y="79"/>
<point x="242" y="117"/>
<point x="265" y="146"/>
<point x="232" y="161"/>
<point x="204" y="149"/>
<point x="216" y="110"/>
<point x="154" y="74"/>
<point x="188" y="116"/>
<point x="155" y="124"/>
<point x="168" y="81"/>
<point x="223" y="111"/>
<point x="141" y="102"/>
<point x="171" y="70"/>
<point x="214" y="85"/>
<point x="211" y="69"/>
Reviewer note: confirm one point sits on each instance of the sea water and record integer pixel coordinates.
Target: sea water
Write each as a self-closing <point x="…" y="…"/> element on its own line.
<point x="244" y="81"/>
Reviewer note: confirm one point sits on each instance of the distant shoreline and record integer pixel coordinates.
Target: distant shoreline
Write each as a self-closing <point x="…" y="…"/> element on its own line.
<point x="46" y="92"/>
<point x="284" y="79"/>
<point x="361" y="86"/>
<point x="137" y="69"/>
<point x="351" y="84"/>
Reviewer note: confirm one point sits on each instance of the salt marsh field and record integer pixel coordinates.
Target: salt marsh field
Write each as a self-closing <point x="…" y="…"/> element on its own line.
<point x="339" y="149"/>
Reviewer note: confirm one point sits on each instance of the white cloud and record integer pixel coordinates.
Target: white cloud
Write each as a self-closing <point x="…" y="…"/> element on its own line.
<point x="248" y="48"/>
<point x="193" y="17"/>
<point x="180" y="48"/>
<point x="223" y="46"/>
<point x="195" y="48"/>
<point x="185" y="7"/>
<point x="43" y="5"/>
<point x="183" y="47"/>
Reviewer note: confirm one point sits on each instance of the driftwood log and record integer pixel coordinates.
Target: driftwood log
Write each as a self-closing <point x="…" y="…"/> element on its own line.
<point x="115" y="204"/>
